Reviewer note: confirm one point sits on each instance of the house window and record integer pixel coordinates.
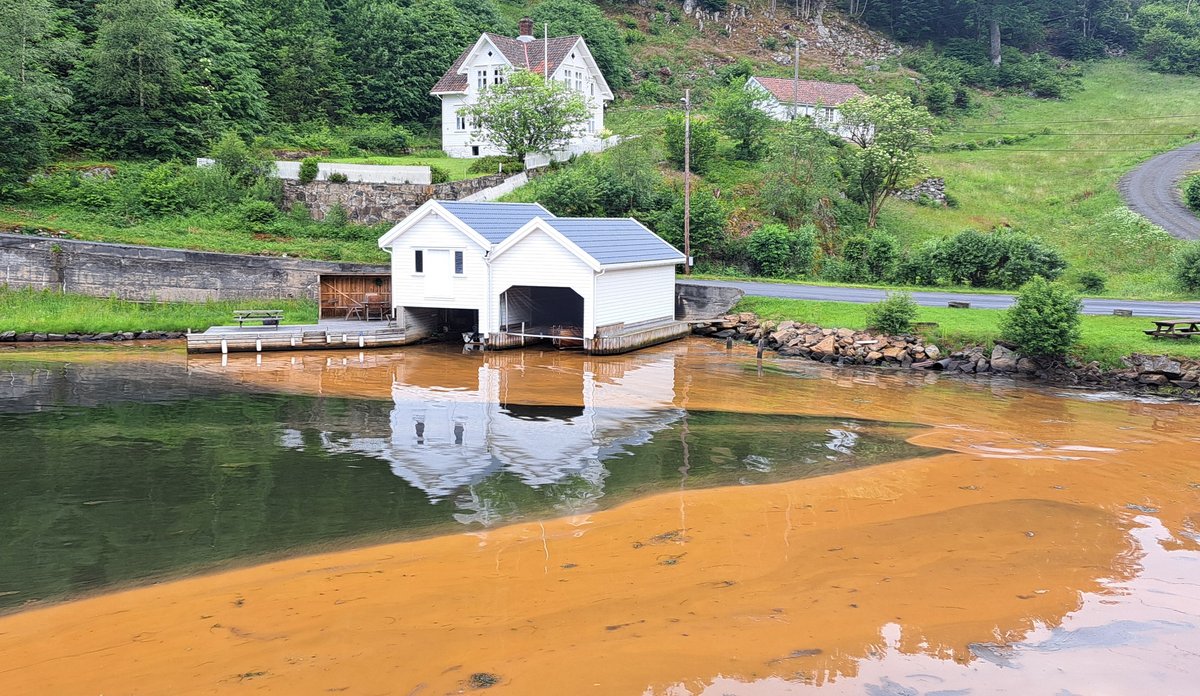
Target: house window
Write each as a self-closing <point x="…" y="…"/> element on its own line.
<point x="458" y="263"/>
<point x="419" y="261"/>
<point x="578" y="82"/>
<point x="828" y="114"/>
<point x="592" y="88"/>
<point x="499" y="79"/>
<point x="481" y="78"/>
<point x="460" y="122"/>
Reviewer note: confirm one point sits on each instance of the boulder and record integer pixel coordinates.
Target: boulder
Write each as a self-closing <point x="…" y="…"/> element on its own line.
<point x="932" y="352"/>
<point x="8" y="336"/>
<point x="1003" y="359"/>
<point x="1154" y="380"/>
<point x="893" y="352"/>
<point x="874" y="356"/>
<point x="1027" y="366"/>
<point x="1162" y="365"/>
<point x="826" y="347"/>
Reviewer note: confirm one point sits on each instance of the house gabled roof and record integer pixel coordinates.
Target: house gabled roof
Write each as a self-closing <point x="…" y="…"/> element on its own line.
<point x="526" y="55"/>
<point x="600" y="242"/>
<point x="484" y="223"/>
<point x="809" y="92"/>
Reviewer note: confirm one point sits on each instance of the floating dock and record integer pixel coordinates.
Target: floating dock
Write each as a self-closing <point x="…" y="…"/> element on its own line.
<point x="323" y="336"/>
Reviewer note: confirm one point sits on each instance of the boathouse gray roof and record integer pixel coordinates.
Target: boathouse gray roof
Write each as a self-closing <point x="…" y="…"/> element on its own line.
<point x="609" y="241"/>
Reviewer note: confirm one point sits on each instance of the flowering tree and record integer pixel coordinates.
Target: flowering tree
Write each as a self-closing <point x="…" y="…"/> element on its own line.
<point x="527" y="113"/>
<point x="890" y="132"/>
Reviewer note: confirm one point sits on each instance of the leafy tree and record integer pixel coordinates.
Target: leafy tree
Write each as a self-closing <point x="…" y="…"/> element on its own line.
<point x="1187" y="267"/>
<point x="740" y="117"/>
<point x="603" y="36"/>
<point x="300" y="58"/>
<point x="890" y="132"/>
<point x="802" y="176"/>
<point x="1045" y="320"/>
<point x="708" y="217"/>
<point x="219" y="78"/>
<point x="703" y="147"/>
<point x="527" y="114"/>
<point x="135" y="57"/>
<point x="22" y="136"/>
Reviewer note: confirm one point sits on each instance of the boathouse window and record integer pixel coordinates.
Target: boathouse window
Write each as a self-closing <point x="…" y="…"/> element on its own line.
<point x="419" y="261"/>
<point x="458" y="263"/>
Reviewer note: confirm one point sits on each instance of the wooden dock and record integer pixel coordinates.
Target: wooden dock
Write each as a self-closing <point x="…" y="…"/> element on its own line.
<point x="323" y="336"/>
<point x="610" y="340"/>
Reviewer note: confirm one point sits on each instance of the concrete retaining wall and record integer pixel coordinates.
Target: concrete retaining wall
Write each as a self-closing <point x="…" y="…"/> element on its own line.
<point x="367" y="173"/>
<point x="372" y="203"/>
<point x="150" y="273"/>
<point x="697" y="302"/>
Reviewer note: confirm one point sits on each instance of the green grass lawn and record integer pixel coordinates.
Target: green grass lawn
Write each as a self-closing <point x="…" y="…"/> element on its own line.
<point x="1105" y="338"/>
<point x="201" y="232"/>
<point x="50" y="312"/>
<point x="456" y="167"/>
<point x="1066" y="191"/>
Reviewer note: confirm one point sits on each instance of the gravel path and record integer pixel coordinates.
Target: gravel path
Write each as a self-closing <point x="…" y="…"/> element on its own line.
<point x="1153" y="191"/>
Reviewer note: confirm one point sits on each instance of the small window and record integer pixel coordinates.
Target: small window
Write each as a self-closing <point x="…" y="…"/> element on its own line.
<point x="458" y="263"/>
<point x="460" y="122"/>
<point x="828" y="114"/>
<point x="481" y="78"/>
<point x="499" y="78"/>
<point x="578" y="82"/>
<point x="592" y="88"/>
<point x="474" y="150"/>
<point x="419" y="261"/>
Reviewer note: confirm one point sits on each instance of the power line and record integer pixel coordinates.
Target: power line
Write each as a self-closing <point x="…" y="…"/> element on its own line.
<point x="1094" y="120"/>
<point x="1061" y="149"/>
<point x="1034" y="133"/>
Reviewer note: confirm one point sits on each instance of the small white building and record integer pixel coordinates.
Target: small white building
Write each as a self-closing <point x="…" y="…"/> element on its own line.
<point x="491" y="58"/>
<point x="512" y="273"/>
<point x="785" y="99"/>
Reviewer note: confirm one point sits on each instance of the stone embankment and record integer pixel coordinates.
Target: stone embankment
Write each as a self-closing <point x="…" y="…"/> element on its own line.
<point x="39" y="337"/>
<point x="847" y="347"/>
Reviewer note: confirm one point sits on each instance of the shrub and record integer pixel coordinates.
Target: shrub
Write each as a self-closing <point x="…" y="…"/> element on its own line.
<point x="1004" y="259"/>
<point x="337" y="178"/>
<point x="161" y="190"/>
<point x="438" y="175"/>
<point x="238" y="159"/>
<point x="894" y="315"/>
<point x="337" y="217"/>
<point x="211" y="188"/>
<point x="704" y="143"/>
<point x="256" y="214"/>
<point x="868" y="258"/>
<point x="779" y="252"/>
<point x="1191" y="192"/>
<point x="493" y="164"/>
<point x="382" y="139"/>
<point x="939" y="98"/>
<point x="1187" y="267"/>
<point x="1045" y="320"/>
<point x="308" y="170"/>
<point x="1092" y="282"/>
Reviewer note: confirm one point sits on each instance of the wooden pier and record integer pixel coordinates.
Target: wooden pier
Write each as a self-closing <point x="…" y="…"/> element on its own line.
<point x="322" y="336"/>
<point x="609" y="340"/>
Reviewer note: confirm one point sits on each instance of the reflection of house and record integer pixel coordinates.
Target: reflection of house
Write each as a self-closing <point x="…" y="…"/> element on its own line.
<point x="491" y="58"/>
<point x="445" y="439"/>
<point x="515" y="272"/>
<point x="786" y="99"/>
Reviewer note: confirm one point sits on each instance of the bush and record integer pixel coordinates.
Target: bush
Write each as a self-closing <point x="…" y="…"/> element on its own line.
<point x="1045" y="320"/>
<point x="210" y="188"/>
<point x="382" y="139"/>
<point x="161" y="190"/>
<point x="779" y="252"/>
<point x="1092" y="282"/>
<point x="939" y="98"/>
<point x="438" y="175"/>
<point x="308" y="170"/>
<point x="337" y="217"/>
<point x="232" y="153"/>
<point x="867" y="258"/>
<point x="494" y="164"/>
<point x="1187" y="267"/>
<point x="704" y="143"/>
<point x="1003" y="259"/>
<point x="1191" y="192"/>
<point x="894" y="315"/>
<point x="256" y="214"/>
<point x="337" y="178"/>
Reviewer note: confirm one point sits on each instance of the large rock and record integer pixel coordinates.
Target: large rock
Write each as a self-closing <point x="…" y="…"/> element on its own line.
<point x="1004" y="360"/>
<point x="1027" y="366"/>
<point x="893" y="352"/>
<point x="1161" y="364"/>
<point x="826" y="347"/>
<point x="932" y="352"/>
<point x="1154" y="379"/>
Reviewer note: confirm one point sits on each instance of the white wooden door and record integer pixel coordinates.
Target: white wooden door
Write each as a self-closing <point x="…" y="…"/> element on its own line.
<point x="439" y="273"/>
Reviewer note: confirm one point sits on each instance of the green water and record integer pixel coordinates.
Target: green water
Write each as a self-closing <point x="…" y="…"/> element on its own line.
<point x="111" y="473"/>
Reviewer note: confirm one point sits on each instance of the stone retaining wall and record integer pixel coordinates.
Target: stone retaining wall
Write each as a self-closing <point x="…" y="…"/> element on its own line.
<point x="372" y="203"/>
<point x="150" y="273"/>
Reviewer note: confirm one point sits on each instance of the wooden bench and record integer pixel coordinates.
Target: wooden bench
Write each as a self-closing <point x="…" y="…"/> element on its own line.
<point x="268" y="317"/>
<point x="1181" y="328"/>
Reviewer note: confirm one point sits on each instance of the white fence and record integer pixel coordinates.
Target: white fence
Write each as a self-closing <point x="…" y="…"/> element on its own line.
<point x="365" y="173"/>
<point x="579" y="147"/>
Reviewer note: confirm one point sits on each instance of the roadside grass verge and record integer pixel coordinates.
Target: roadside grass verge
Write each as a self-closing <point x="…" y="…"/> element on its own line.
<point x="1105" y="338"/>
<point x="198" y="232"/>
<point x="51" y="312"/>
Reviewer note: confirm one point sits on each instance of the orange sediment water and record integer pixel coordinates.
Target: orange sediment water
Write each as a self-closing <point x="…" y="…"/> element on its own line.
<point x="1033" y="508"/>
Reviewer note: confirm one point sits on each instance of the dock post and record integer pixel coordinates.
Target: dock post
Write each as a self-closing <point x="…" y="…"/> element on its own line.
<point x="258" y="346"/>
<point x="224" y="347"/>
<point x="360" y="341"/>
<point x="293" y="341"/>
<point x="762" y="345"/>
<point x="343" y="338"/>
<point x="729" y="343"/>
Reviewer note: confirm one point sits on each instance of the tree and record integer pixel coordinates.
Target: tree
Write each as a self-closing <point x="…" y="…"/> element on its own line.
<point x="890" y="132"/>
<point x="741" y="118"/>
<point x="22" y="137"/>
<point x="135" y="58"/>
<point x="527" y="114"/>
<point x="1045" y="321"/>
<point x="603" y="37"/>
<point x="802" y="175"/>
<point x="703" y="147"/>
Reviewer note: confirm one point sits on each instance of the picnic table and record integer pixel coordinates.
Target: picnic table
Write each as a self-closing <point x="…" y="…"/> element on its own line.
<point x="268" y="317"/>
<point x="1174" y="328"/>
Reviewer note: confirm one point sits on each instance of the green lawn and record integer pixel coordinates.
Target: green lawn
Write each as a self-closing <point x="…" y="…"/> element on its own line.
<point x="456" y="167"/>
<point x="1066" y="190"/>
<point x="50" y="312"/>
<point x="1105" y="338"/>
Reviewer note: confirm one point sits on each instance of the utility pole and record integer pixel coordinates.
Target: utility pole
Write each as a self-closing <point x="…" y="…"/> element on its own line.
<point x="546" y="51"/>
<point x="796" y="81"/>
<point x="687" y="181"/>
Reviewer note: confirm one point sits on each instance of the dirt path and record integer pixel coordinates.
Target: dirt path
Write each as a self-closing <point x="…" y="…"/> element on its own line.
<point x="1153" y="191"/>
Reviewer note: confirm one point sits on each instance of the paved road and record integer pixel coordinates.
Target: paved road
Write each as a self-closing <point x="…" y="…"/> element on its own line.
<point x="1153" y="190"/>
<point x="1188" y="310"/>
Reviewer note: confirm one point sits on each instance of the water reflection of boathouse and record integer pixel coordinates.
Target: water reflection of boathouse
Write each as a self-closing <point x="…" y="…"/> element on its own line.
<point x="544" y="424"/>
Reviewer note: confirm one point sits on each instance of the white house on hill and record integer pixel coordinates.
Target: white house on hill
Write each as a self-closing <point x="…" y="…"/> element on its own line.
<point x="512" y="273"/>
<point x="785" y="99"/>
<point x="492" y="57"/>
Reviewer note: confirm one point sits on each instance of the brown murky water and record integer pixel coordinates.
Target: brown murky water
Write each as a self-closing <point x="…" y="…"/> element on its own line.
<point x="1052" y="547"/>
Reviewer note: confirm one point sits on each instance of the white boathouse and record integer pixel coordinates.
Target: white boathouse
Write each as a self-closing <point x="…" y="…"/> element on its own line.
<point x="506" y="274"/>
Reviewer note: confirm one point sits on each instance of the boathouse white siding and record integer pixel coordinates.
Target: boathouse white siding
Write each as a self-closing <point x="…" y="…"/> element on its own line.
<point x="526" y="273"/>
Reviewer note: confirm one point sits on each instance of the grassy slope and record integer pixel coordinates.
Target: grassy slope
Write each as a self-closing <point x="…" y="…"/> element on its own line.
<point x="1066" y="197"/>
<point x="48" y="312"/>
<point x="1105" y="339"/>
